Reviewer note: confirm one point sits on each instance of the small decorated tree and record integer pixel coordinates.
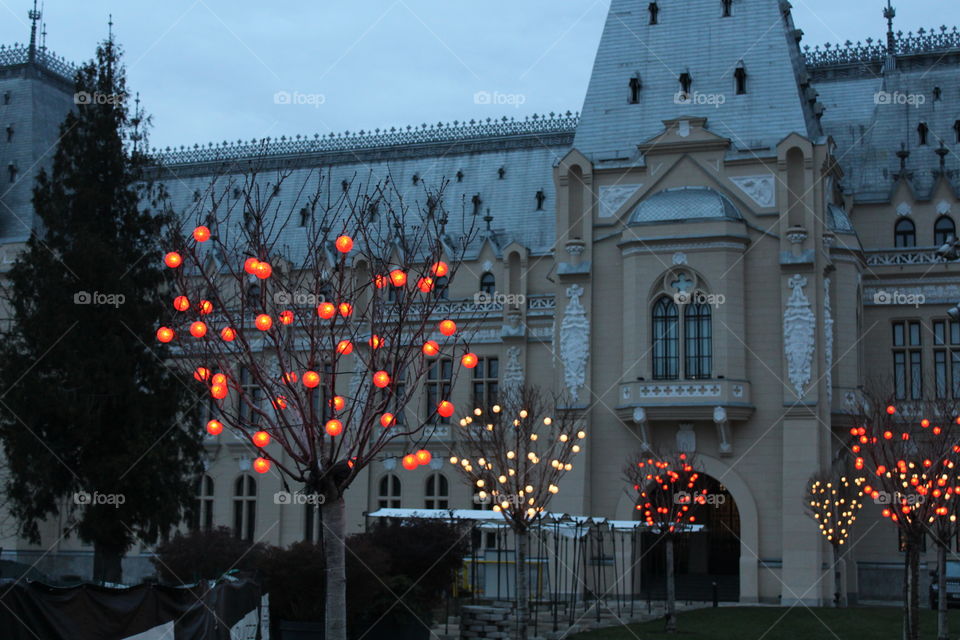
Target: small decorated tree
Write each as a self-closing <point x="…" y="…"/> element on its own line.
<point x="908" y="457"/>
<point x="514" y="454"/>
<point x="308" y="339"/>
<point x="667" y="487"/>
<point x="834" y="500"/>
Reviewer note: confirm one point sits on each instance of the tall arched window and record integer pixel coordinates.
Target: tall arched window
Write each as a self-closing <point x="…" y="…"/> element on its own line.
<point x="905" y="233"/>
<point x="488" y="284"/>
<point x="203" y="517"/>
<point x="244" y="507"/>
<point x="389" y="494"/>
<point x="697" y="341"/>
<point x="666" y="340"/>
<point x="943" y="230"/>
<point x="441" y="288"/>
<point x="438" y="492"/>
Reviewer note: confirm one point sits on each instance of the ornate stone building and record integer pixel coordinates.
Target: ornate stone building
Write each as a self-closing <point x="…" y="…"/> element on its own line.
<point x="713" y="256"/>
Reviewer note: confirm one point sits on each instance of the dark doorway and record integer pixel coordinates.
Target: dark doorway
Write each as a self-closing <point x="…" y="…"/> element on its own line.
<point x="700" y="558"/>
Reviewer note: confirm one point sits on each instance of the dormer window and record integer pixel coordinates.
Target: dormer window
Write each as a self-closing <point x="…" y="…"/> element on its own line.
<point x="541" y="197"/>
<point x="6" y="97"/>
<point x="459" y="176"/>
<point x="654" y="12"/>
<point x="635" y="87"/>
<point x="345" y="186"/>
<point x="740" y="78"/>
<point x="12" y="169"/>
<point x="304" y="216"/>
<point x="686" y="83"/>
<point x="727" y="8"/>
<point x="923" y="133"/>
<point x="416" y="178"/>
<point x="937" y="93"/>
<point x="9" y="133"/>
<point x="477" y="203"/>
<point x="501" y="172"/>
<point x="956" y="130"/>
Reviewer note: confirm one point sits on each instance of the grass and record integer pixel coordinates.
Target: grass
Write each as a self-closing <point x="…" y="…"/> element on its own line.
<point x="779" y="623"/>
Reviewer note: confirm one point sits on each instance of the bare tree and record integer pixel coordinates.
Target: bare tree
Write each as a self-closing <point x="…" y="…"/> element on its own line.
<point x="309" y="316"/>
<point x="514" y="454"/>
<point x="834" y="500"/>
<point x="908" y="451"/>
<point x="667" y="487"/>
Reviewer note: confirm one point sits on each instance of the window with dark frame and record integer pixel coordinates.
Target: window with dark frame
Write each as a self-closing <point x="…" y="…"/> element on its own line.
<point x="486" y="383"/>
<point x="203" y="518"/>
<point x="904" y="234"/>
<point x="245" y="507"/>
<point x="390" y="489"/>
<point x="437" y="492"/>
<point x="654" y="10"/>
<point x="666" y="340"/>
<point x="908" y="360"/>
<point x="250" y="399"/>
<point x="488" y="283"/>
<point x="727" y="8"/>
<point x="923" y="133"/>
<point x="635" y="87"/>
<point x="740" y="79"/>
<point x="439" y="384"/>
<point x="943" y="229"/>
<point x="698" y="341"/>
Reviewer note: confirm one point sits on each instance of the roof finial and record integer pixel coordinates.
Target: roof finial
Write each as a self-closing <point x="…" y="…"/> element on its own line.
<point x="110" y="28"/>
<point x="890" y="13"/>
<point x="34" y="16"/>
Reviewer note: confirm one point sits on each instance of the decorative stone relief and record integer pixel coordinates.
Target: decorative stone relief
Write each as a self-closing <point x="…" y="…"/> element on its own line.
<point x="904" y="209"/>
<point x="799" y="325"/>
<point x="828" y="338"/>
<point x="943" y="207"/>
<point x="575" y="342"/>
<point x="512" y="380"/>
<point x="643" y="428"/>
<point x="487" y="265"/>
<point x="760" y="189"/>
<point x="679" y="258"/>
<point x="723" y="431"/>
<point x="686" y="438"/>
<point x="614" y="196"/>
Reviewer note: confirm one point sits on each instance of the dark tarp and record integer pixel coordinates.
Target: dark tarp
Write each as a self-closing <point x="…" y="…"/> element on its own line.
<point x="31" y="610"/>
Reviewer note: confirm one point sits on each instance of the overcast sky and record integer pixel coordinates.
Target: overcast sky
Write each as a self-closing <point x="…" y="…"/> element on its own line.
<point x="209" y="70"/>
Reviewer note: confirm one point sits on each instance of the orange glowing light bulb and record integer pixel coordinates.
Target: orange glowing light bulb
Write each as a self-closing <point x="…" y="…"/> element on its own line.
<point x="219" y="378"/>
<point x="375" y="341"/>
<point x="338" y="403"/>
<point x="398" y="278"/>
<point x="381" y="379"/>
<point x="181" y="303"/>
<point x="326" y="310"/>
<point x="445" y="408"/>
<point x="227" y="334"/>
<point x="264" y="270"/>
<point x="386" y="420"/>
<point x="425" y="285"/>
<point x="448" y="327"/>
<point x="261" y="465"/>
<point x="286" y="317"/>
<point x="218" y="391"/>
<point x="264" y="322"/>
<point x="198" y="329"/>
<point x="333" y="427"/>
<point x="261" y="439"/>
<point x="173" y="260"/>
<point x="214" y="427"/>
<point x="410" y="462"/>
<point x="250" y="266"/>
<point x="205" y="307"/>
<point x="440" y="269"/>
<point x="311" y="379"/>
<point x="201" y="374"/>
<point x="431" y="348"/>
<point x="201" y="234"/>
<point x="424" y="456"/>
<point x="345" y="309"/>
<point x="344" y="347"/>
<point x="344" y="244"/>
<point x="469" y="360"/>
<point x="165" y="334"/>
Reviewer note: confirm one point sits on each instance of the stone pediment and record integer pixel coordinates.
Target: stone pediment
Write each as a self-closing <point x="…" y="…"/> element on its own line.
<point x="683" y="135"/>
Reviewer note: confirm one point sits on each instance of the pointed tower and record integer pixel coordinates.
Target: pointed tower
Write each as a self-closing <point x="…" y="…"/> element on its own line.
<point x="736" y="63"/>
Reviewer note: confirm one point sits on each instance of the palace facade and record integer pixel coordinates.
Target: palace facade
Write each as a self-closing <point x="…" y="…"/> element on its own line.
<point x="731" y="238"/>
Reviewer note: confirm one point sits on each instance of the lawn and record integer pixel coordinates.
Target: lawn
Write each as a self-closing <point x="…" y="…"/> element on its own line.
<point x="776" y="623"/>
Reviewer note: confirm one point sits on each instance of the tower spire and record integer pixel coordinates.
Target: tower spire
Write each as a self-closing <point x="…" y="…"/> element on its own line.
<point x="34" y="16"/>
<point x="890" y="13"/>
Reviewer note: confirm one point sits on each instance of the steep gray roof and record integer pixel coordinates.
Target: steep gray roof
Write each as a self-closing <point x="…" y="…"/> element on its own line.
<point x="691" y="37"/>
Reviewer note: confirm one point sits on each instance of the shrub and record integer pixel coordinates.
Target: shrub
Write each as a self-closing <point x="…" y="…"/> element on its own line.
<point x="204" y="555"/>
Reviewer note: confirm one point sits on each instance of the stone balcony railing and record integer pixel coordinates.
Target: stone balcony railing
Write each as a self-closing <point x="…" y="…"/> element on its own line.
<point x="900" y="257"/>
<point x="692" y="399"/>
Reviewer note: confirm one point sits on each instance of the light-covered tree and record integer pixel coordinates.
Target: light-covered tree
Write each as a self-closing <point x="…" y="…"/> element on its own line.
<point x="834" y="500"/>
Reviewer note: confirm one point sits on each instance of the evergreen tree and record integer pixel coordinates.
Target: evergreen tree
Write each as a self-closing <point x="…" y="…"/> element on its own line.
<point x="86" y="396"/>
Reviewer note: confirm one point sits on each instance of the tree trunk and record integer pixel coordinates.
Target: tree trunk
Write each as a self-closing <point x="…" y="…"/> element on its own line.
<point x="523" y="584"/>
<point x="837" y="578"/>
<point x="335" y="551"/>
<point x="911" y="619"/>
<point x="943" y="624"/>
<point x="107" y="563"/>
<point x="671" y="604"/>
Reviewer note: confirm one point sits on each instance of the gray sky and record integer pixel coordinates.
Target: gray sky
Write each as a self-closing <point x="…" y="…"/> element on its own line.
<point x="208" y="70"/>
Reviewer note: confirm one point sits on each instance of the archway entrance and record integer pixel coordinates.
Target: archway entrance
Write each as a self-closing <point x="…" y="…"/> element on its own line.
<point x="701" y="558"/>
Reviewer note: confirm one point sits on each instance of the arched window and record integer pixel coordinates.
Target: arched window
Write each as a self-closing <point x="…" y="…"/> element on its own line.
<point x="943" y="230"/>
<point x="438" y="492"/>
<point x="488" y="284"/>
<point x="389" y="494"/>
<point x="905" y="233"/>
<point x="666" y="340"/>
<point x="244" y="507"/>
<point x="697" y="341"/>
<point x="203" y="517"/>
